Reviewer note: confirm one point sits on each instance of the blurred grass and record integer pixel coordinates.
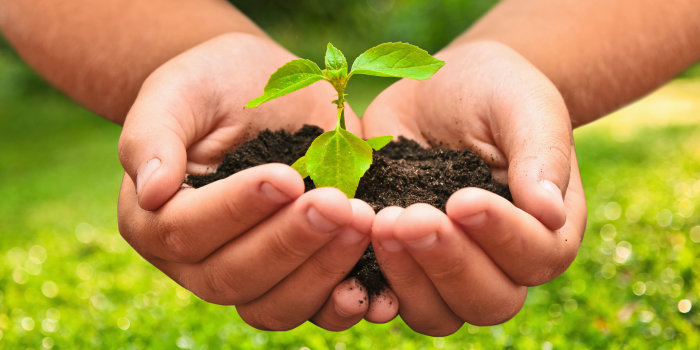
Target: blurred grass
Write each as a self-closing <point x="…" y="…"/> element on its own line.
<point x="304" y="26"/>
<point x="68" y="280"/>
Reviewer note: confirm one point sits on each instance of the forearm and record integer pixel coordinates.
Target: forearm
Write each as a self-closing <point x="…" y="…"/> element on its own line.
<point x="600" y="54"/>
<point x="99" y="52"/>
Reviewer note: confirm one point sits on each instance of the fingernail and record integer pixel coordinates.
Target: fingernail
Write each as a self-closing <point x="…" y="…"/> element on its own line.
<point x="552" y="188"/>
<point x="424" y="242"/>
<point x="351" y="236"/>
<point x="319" y="222"/>
<point x="273" y="194"/>
<point x="391" y="245"/>
<point x="475" y="220"/>
<point x="144" y="173"/>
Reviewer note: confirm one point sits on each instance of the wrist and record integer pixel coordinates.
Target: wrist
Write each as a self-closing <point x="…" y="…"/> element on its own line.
<point x="497" y="66"/>
<point x="100" y="59"/>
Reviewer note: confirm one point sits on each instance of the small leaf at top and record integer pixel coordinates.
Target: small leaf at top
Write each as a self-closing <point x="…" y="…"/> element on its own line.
<point x="291" y="77"/>
<point x="378" y="142"/>
<point x="400" y="60"/>
<point x="335" y="60"/>
<point x="300" y="167"/>
<point x="338" y="159"/>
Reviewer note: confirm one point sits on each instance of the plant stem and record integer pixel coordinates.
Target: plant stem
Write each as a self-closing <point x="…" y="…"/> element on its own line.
<point x="340" y="121"/>
<point x="340" y="102"/>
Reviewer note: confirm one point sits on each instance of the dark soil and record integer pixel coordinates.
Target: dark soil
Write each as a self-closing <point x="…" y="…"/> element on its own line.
<point x="402" y="173"/>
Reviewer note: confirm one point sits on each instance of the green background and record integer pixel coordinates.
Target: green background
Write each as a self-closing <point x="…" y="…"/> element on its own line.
<point x="68" y="280"/>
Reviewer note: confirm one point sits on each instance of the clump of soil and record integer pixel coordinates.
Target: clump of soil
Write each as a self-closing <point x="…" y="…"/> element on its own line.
<point x="402" y="173"/>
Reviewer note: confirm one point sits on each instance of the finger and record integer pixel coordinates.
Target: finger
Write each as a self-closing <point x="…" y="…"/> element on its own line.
<point x="420" y="304"/>
<point x="383" y="307"/>
<point x="311" y="283"/>
<point x="386" y="117"/>
<point x="535" y="135"/>
<point x="153" y="149"/>
<point x="526" y="250"/>
<point x="196" y="222"/>
<point x="250" y="265"/>
<point x="468" y="281"/>
<point x="346" y="307"/>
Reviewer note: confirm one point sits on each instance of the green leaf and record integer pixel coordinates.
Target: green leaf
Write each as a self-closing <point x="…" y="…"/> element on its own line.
<point x="300" y="167"/>
<point x="336" y="71"/>
<point x="336" y="64"/>
<point x="291" y="77"/>
<point x="338" y="159"/>
<point x="400" y="60"/>
<point x="378" y="142"/>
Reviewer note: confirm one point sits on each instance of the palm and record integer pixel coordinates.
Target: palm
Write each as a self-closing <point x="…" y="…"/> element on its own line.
<point x="214" y="91"/>
<point x="493" y="101"/>
<point x="187" y="115"/>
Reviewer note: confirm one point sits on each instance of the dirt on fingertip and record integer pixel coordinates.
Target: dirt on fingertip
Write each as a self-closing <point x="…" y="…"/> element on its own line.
<point x="402" y="173"/>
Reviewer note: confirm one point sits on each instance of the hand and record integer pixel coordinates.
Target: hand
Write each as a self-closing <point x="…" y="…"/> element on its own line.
<point x="254" y="239"/>
<point x="473" y="264"/>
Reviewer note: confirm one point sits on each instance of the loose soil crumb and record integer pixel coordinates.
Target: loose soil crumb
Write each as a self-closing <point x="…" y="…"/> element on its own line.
<point x="402" y="173"/>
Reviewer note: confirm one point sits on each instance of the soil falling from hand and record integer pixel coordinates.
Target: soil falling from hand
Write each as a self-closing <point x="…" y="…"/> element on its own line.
<point x="402" y="173"/>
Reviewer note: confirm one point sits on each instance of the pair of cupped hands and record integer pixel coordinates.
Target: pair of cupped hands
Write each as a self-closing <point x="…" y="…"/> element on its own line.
<point x="257" y="241"/>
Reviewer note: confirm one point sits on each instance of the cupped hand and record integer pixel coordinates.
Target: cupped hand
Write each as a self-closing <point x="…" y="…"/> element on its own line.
<point x="474" y="263"/>
<point x="254" y="239"/>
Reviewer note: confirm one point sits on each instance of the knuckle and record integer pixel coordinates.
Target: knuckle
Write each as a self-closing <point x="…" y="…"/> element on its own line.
<point x="286" y="249"/>
<point x="553" y="153"/>
<point x="563" y="261"/>
<point x="503" y="310"/>
<point x="561" y="154"/>
<point x="448" y="272"/>
<point x="534" y="279"/>
<point x="175" y="247"/>
<point x="560" y="150"/>
<point x="245" y="206"/>
<point x="135" y="231"/>
<point x="235" y="209"/>
<point x="506" y="240"/>
<point x="124" y="148"/>
<point x="570" y="247"/>
<point x="545" y="270"/>
<point x="400" y="278"/>
<point x="219" y="288"/>
<point x="537" y="274"/>
<point x="327" y="269"/>
<point x="493" y="319"/>
<point x="125" y="227"/>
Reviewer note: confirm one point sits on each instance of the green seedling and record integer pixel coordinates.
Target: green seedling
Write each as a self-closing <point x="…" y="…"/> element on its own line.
<point x="338" y="158"/>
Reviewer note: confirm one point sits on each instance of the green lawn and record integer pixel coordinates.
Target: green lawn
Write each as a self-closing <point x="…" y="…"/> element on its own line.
<point x="68" y="281"/>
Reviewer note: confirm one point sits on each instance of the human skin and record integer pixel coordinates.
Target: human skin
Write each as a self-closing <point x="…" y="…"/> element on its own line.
<point x="99" y="54"/>
<point x="473" y="263"/>
<point x="188" y="114"/>
<point x="91" y="52"/>
<point x="600" y="54"/>
<point x="230" y="242"/>
<point x="512" y="88"/>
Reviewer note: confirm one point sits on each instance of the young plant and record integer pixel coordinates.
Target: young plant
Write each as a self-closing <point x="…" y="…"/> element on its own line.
<point x="338" y="158"/>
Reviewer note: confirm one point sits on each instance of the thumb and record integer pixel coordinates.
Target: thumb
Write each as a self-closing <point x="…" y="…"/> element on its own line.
<point x="537" y="142"/>
<point x="390" y="110"/>
<point x="152" y="150"/>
